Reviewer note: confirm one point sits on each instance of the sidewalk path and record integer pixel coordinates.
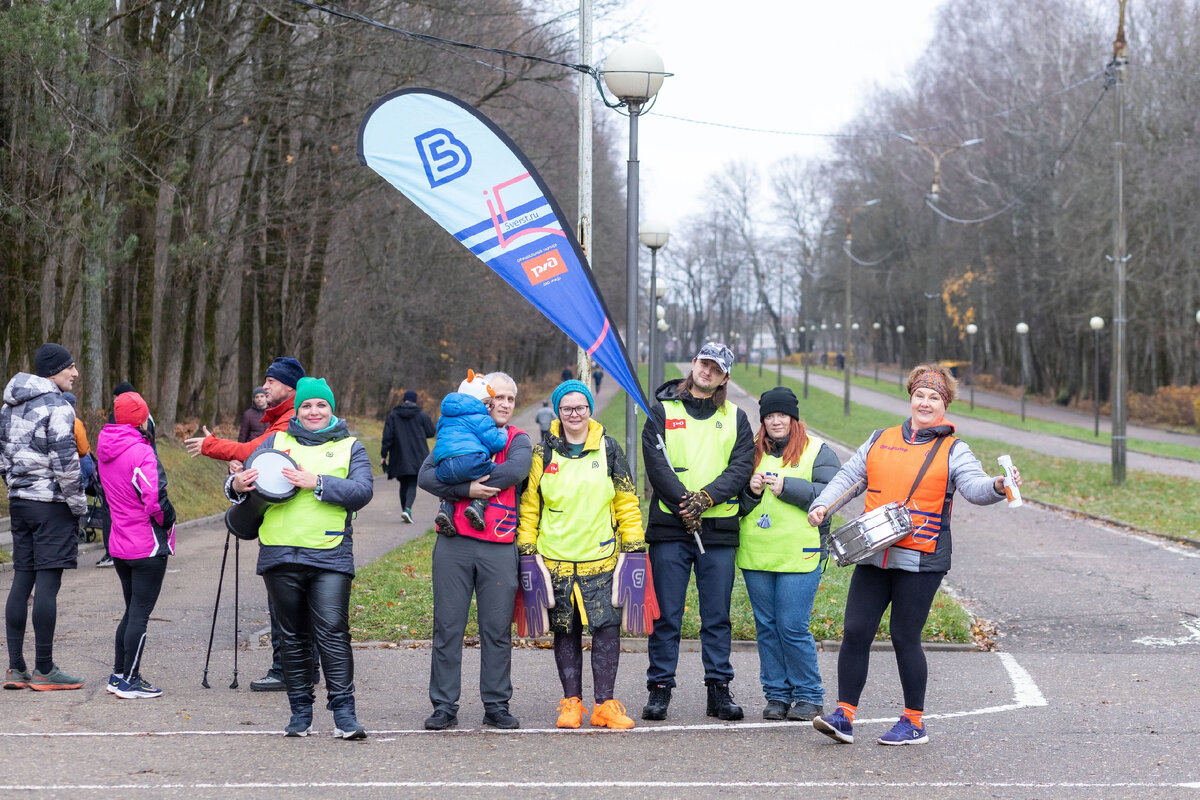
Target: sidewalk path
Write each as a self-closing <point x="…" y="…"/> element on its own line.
<point x="1052" y="413"/>
<point x="973" y="428"/>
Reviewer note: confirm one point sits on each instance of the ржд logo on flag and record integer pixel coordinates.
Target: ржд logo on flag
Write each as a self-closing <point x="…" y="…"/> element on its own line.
<point x="544" y="267"/>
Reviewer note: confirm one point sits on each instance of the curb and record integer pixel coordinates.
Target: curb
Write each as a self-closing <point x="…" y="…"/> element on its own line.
<point x="1115" y="523"/>
<point x="638" y="645"/>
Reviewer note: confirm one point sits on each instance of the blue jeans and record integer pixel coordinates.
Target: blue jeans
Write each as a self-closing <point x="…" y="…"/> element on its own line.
<point x="672" y="564"/>
<point x="787" y="652"/>
<point x="468" y="467"/>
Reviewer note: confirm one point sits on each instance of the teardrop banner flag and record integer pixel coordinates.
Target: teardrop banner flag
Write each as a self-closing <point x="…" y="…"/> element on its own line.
<point x="463" y="171"/>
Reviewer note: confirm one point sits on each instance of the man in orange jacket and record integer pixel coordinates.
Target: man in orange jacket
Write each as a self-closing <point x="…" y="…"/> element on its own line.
<point x="280" y="383"/>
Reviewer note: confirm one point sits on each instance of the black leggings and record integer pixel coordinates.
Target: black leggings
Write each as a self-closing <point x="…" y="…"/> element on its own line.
<point x="606" y="653"/>
<point x="141" y="581"/>
<point x="871" y="591"/>
<point x="44" y="584"/>
<point x="408" y="491"/>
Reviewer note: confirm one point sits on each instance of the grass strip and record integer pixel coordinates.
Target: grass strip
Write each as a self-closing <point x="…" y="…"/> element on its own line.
<point x="392" y="601"/>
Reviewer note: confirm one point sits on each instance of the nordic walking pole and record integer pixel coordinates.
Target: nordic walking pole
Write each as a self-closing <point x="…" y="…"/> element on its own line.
<point x="216" y="605"/>
<point x="237" y="551"/>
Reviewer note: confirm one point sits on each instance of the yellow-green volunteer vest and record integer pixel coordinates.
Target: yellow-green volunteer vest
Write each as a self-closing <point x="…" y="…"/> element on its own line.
<point x="790" y="544"/>
<point x="701" y="448"/>
<point x="304" y="521"/>
<point x="577" y="494"/>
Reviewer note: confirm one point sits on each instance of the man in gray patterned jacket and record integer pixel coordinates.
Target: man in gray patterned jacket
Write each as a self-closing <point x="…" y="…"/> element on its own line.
<point x="40" y="465"/>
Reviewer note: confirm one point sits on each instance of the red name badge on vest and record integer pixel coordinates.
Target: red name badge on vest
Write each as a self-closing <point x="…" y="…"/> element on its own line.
<point x="552" y="468"/>
<point x="676" y="424"/>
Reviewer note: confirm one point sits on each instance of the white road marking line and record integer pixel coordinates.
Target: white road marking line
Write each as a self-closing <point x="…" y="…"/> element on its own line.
<point x="1191" y="624"/>
<point x="607" y="784"/>
<point x="1025" y="695"/>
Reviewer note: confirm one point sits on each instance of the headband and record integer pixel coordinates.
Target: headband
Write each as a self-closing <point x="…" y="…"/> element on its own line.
<point x="930" y="379"/>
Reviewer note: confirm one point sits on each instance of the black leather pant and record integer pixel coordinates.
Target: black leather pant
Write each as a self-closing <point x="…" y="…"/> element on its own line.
<point x="312" y="606"/>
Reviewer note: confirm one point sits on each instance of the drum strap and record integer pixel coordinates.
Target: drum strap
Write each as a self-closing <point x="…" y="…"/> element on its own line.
<point x="924" y="468"/>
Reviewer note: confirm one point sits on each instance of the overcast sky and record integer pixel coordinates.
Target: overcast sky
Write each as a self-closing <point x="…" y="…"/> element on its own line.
<point x="792" y="65"/>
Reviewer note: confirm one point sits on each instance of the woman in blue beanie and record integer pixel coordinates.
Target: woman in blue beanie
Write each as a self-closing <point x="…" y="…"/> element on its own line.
<point x="580" y="477"/>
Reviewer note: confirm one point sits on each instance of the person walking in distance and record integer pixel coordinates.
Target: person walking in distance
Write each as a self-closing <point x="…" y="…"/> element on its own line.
<point x="40" y="465"/>
<point x="544" y="416"/>
<point x="708" y="459"/>
<point x="405" y="445"/>
<point x="483" y="564"/>
<point x="280" y="382"/>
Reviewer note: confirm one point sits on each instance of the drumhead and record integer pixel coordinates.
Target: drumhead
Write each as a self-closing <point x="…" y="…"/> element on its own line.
<point x="271" y="485"/>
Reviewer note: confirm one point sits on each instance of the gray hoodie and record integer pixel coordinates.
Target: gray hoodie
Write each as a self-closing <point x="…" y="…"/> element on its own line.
<point x="38" y="459"/>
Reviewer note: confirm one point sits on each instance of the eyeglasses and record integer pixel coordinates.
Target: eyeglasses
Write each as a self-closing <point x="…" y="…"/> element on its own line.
<point x="573" y="411"/>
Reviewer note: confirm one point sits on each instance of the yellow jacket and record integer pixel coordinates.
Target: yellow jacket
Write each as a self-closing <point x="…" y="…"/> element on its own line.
<point x="625" y="512"/>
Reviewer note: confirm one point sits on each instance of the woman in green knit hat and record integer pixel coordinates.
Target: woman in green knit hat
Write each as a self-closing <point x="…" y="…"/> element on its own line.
<point x="306" y="554"/>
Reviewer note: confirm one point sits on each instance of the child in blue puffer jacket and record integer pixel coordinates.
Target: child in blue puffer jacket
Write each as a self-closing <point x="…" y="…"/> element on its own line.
<point x="467" y="438"/>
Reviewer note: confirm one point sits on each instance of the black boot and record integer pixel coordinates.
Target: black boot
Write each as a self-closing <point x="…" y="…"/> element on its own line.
<point x="720" y="701"/>
<point x="302" y="714"/>
<point x="660" y="698"/>
<point x="345" y="722"/>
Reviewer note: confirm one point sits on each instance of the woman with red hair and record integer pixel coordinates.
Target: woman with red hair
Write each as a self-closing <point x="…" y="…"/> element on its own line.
<point x="780" y="553"/>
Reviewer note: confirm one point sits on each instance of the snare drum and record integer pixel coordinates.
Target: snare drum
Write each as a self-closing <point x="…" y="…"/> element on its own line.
<point x="270" y="487"/>
<point x="270" y="483"/>
<point x="870" y="533"/>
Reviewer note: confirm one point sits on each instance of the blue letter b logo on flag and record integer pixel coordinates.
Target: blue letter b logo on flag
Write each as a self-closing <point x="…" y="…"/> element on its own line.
<point x="445" y="158"/>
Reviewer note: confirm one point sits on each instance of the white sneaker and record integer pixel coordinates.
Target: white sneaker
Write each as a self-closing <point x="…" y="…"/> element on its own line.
<point x="406" y="515"/>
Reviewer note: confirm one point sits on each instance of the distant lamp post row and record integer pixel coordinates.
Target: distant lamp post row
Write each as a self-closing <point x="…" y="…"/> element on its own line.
<point x="1023" y="333"/>
<point x="633" y="72"/>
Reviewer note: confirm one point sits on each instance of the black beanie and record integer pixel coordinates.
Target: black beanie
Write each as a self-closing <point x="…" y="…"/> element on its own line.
<point x="123" y="387"/>
<point x="780" y="399"/>
<point x="51" y="359"/>
<point x="286" y="370"/>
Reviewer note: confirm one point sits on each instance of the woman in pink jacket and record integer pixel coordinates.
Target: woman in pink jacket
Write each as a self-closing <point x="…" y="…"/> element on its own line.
<point x="143" y="534"/>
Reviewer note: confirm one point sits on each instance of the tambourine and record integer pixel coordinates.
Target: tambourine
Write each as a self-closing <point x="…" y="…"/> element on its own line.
<point x="270" y="487"/>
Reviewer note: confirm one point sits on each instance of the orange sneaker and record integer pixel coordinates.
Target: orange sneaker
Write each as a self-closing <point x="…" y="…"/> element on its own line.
<point x="611" y="714"/>
<point x="570" y="712"/>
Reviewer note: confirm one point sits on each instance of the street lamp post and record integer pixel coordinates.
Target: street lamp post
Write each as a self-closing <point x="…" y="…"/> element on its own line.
<point x="875" y="326"/>
<point x="633" y="73"/>
<point x="848" y="215"/>
<point x="972" y="329"/>
<point x="937" y="152"/>
<point x="1023" y="333"/>
<point x="1097" y="325"/>
<point x="654" y="235"/>
<point x="900" y="336"/>
<point x="807" y="355"/>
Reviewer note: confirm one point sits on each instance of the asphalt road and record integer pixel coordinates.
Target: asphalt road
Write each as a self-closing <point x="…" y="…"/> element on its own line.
<point x="1089" y="697"/>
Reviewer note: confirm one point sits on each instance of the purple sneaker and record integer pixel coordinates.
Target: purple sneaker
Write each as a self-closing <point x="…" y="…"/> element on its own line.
<point x="836" y="726"/>
<point x="904" y="732"/>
